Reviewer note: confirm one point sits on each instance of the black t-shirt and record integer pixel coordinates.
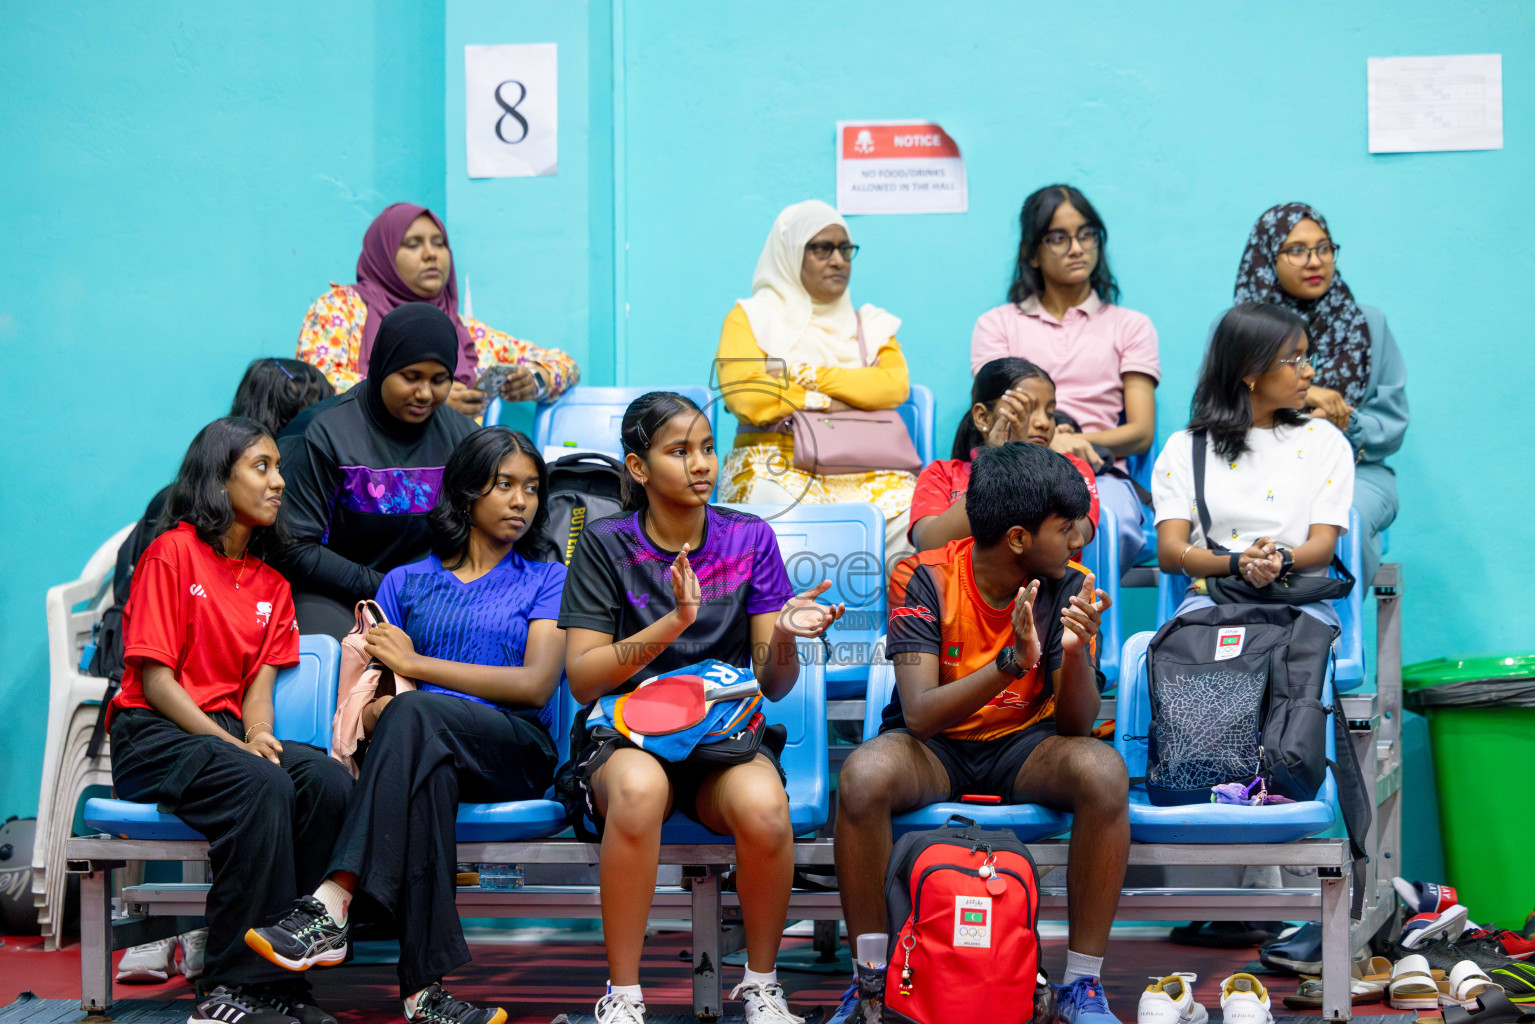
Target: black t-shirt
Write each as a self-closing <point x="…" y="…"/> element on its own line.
<point x="620" y="582"/>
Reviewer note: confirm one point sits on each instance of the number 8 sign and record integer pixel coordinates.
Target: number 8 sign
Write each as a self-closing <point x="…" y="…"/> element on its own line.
<point x="511" y="110"/>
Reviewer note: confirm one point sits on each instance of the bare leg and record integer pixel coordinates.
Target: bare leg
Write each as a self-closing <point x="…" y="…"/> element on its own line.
<point x="634" y="798"/>
<point x="748" y="802"/>
<point x="1086" y="777"/>
<point x="890" y="774"/>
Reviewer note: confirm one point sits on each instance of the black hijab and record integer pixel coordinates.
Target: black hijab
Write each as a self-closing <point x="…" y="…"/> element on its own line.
<point x="411" y="333"/>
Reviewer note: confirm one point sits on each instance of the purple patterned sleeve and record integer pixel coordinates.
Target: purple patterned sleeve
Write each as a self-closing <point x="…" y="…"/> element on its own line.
<point x="768" y="589"/>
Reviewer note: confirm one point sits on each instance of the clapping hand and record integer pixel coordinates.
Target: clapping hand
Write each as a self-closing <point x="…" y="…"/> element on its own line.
<point x="1026" y="646"/>
<point x="803" y="616"/>
<point x="686" y="592"/>
<point x="1083" y="615"/>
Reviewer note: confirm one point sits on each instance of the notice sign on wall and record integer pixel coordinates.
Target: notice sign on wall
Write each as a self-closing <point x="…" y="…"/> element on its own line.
<point x="899" y="167"/>
<point x="511" y="110"/>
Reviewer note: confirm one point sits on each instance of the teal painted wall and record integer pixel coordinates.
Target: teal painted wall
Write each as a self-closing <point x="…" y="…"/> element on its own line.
<point x="180" y="180"/>
<point x="189" y="178"/>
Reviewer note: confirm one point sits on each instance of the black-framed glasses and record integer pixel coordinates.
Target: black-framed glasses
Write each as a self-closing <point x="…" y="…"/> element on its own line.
<point x="823" y="250"/>
<point x="1296" y="362"/>
<point x="1059" y="242"/>
<point x="1300" y="255"/>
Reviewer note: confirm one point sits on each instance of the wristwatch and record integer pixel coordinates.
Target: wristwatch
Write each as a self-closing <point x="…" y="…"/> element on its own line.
<point x="1007" y="663"/>
<point x="1236" y="563"/>
<point x="1287" y="559"/>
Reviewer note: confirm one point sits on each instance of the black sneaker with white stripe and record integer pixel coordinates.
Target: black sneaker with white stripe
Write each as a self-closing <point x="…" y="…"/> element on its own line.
<point x="232" y="1005"/>
<point x="292" y="997"/>
<point x="307" y="935"/>
<point x="437" y="1007"/>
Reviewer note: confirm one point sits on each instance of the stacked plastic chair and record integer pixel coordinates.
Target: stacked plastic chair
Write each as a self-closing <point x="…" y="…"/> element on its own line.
<point x="74" y="701"/>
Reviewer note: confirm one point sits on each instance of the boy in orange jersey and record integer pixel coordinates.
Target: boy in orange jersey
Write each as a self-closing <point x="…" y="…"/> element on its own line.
<point x="994" y="639"/>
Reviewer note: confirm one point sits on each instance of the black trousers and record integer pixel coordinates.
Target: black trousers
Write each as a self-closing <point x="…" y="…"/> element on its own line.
<point x="428" y="752"/>
<point x="270" y="828"/>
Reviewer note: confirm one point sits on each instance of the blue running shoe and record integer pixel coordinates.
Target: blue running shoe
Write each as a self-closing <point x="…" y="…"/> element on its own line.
<point x="1083" y="1002"/>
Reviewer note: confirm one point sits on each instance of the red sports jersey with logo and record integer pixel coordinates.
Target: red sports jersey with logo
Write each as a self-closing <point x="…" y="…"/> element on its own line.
<point x="935" y="608"/>
<point x="212" y="621"/>
<point x="941" y="483"/>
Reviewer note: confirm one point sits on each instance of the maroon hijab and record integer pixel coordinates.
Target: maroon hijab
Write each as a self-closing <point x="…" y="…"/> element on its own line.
<point x="382" y="289"/>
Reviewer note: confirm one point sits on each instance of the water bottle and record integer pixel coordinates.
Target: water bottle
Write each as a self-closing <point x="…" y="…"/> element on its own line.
<point x="500" y="876"/>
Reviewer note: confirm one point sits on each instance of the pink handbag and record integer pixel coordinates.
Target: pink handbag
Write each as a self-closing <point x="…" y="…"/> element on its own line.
<point x="361" y="680"/>
<point x="855" y="440"/>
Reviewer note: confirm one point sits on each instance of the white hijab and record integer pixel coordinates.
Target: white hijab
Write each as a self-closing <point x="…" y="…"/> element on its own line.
<point x="785" y="322"/>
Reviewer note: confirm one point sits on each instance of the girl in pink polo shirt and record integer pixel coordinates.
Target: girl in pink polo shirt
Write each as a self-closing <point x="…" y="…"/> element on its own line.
<point x="1061" y="315"/>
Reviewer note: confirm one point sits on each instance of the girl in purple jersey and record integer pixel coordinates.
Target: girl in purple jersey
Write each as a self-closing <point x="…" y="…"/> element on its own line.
<point x="671" y="581"/>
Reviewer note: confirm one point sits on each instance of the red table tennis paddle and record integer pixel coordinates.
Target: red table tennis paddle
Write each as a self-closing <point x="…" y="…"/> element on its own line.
<point x="676" y="703"/>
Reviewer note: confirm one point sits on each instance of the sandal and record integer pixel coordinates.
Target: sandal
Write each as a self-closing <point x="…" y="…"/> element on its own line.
<point x="1466" y="983"/>
<point x="1412" y="986"/>
<point x="1492" y="1007"/>
<point x="1309" y="997"/>
<point x="1376" y="969"/>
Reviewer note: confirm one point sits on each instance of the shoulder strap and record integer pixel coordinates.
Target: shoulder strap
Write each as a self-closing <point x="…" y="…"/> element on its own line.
<point x="863" y="351"/>
<point x="1201" y="442"/>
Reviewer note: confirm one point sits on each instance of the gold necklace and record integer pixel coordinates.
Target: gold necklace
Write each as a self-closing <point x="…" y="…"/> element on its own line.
<point x="241" y="573"/>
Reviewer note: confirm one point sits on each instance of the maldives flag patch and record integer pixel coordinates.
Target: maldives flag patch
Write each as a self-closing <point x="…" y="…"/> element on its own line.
<point x="954" y="651"/>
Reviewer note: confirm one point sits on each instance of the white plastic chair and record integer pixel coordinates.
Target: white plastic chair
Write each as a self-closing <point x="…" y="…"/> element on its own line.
<point x="73" y="700"/>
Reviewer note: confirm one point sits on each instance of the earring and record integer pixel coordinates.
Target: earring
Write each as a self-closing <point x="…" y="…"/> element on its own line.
<point x="1251" y="385"/>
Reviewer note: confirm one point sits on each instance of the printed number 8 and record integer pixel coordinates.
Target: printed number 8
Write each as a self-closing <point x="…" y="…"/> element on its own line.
<point x="511" y="111"/>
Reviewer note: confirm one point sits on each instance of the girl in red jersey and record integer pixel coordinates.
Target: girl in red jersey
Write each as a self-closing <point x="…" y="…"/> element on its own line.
<point x="206" y="628"/>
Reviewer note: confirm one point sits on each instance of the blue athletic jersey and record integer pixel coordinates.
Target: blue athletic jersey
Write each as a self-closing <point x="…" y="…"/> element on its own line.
<point x="479" y="623"/>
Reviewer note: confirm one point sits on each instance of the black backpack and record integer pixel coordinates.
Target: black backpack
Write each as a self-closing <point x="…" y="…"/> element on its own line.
<point x="1236" y="692"/>
<point x="582" y="487"/>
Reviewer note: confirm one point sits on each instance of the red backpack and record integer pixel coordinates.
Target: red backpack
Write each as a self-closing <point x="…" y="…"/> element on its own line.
<point x="963" y="907"/>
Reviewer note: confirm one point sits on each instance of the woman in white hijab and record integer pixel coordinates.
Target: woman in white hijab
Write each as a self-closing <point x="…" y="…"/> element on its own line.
<point x="794" y="346"/>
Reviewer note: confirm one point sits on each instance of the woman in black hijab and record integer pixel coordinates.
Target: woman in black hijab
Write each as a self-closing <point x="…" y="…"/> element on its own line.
<point x="363" y="470"/>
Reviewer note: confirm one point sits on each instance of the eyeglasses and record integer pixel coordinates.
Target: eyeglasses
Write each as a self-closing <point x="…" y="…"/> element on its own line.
<point x="1059" y="242"/>
<point x="823" y="250"/>
<point x="1296" y="362"/>
<point x="1300" y="255"/>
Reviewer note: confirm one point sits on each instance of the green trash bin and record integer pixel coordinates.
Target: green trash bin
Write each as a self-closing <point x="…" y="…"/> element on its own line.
<point x="1481" y="722"/>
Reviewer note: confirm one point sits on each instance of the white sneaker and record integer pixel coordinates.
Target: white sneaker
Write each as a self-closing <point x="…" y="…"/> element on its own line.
<point x="194" y="949"/>
<point x="765" y="1004"/>
<point x="1244" y="1000"/>
<point x="614" y="1008"/>
<point x="1170" y="1000"/>
<point x="149" y="963"/>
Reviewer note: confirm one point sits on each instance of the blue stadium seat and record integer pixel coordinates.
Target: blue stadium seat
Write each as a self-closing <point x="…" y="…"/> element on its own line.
<point x="844" y="543"/>
<point x="590" y="417"/>
<point x="1349" y="670"/>
<point x="802" y="713"/>
<point x="918" y="412"/>
<point x="1204" y="823"/>
<point x="304" y="699"/>
<point x="521" y="820"/>
<point x="1029" y="822"/>
<point x="1139" y="468"/>
<point x="1101" y="557"/>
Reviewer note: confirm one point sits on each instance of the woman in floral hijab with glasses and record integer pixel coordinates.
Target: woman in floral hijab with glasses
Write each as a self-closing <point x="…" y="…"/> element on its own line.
<point x="1360" y="385"/>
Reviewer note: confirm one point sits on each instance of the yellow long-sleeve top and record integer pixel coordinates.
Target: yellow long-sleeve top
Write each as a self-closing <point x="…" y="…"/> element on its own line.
<point x="759" y="393"/>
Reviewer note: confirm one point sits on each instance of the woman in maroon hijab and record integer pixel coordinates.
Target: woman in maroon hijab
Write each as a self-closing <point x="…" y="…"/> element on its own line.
<point x="405" y="258"/>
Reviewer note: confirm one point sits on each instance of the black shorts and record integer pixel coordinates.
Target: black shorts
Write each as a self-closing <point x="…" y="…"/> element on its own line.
<point x="686" y="777"/>
<point x="988" y="767"/>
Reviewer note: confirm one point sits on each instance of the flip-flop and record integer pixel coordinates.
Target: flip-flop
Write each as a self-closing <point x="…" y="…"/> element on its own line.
<point x="1376" y="969"/>
<point x="1493" y="1007"/>
<point x="1412" y="986"/>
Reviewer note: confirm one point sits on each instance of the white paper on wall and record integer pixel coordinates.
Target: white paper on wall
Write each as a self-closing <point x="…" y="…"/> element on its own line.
<point x="511" y="110"/>
<point x="1431" y="104"/>
<point x="899" y="167"/>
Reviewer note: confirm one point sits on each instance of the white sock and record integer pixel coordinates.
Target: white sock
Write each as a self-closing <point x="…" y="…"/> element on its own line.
<point x="632" y="991"/>
<point x="1080" y="965"/>
<point x="410" y="1001"/>
<point x="336" y="899"/>
<point x="751" y="977"/>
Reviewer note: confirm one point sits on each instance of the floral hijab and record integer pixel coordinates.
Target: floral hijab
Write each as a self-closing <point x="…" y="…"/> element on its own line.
<point x="1336" y="325"/>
